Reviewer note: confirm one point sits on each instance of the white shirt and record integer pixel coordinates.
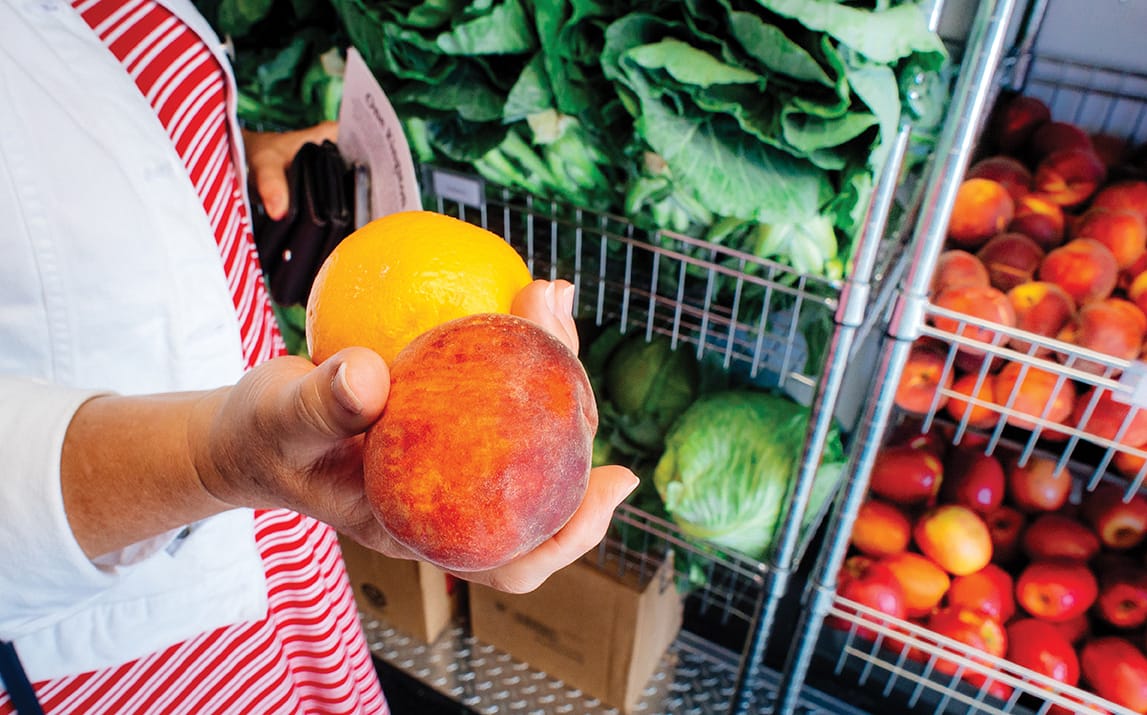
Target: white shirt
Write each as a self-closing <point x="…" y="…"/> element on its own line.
<point x="111" y="281"/>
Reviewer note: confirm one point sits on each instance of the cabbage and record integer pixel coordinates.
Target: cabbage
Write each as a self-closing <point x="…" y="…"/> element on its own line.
<point x="729" y="461"/>
<point x="650" y="384"/>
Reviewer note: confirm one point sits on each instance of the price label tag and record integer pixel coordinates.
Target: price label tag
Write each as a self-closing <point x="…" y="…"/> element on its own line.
<point x="370" y="134"/>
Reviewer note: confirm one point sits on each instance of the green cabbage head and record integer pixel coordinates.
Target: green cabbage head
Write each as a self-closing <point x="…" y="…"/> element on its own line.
<point x="727" y="467"/>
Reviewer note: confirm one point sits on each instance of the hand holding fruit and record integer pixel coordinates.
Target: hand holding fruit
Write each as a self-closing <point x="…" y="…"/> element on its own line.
<point x="289" y="434"/>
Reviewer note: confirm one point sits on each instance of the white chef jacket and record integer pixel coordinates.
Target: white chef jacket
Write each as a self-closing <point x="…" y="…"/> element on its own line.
<point x="110" y="281"/>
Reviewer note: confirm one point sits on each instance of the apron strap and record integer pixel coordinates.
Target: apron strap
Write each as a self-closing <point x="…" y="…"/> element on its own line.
<point x="14" y="678"/>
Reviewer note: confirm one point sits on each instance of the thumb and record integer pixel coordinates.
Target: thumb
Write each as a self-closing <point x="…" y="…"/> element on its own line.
<point x="344" y="395"/>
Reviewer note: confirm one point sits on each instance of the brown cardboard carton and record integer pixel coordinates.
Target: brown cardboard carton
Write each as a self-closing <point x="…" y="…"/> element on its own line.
<point x="588" y="626"/>
<point x="414" y="597"/>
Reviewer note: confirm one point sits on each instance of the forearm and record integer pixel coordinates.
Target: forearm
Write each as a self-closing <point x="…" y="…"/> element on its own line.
<point x="127" y="470"/>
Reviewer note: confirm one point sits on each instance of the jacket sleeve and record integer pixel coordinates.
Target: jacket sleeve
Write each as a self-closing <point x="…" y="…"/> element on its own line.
<point x="43" y="571"/>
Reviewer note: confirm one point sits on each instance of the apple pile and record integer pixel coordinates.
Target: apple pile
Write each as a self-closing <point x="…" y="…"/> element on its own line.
<point x="1048" y="235"/>
<point x="999" y="556"/>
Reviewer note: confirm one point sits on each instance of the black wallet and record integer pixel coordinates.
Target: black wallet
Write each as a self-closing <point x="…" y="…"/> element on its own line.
<point x="323" y="191"/>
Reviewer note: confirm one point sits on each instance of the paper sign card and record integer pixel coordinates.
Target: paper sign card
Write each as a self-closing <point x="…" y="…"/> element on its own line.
<point x="370" y="134"/>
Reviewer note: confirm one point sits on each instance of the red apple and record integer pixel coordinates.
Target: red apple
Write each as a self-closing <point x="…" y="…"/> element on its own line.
<point x="1005" y="526"/>
<point x="871" y="584"/>
<point x="1075" y="629"/>
<point x="906" y="475"/>
<point x="1120" y="524"/>
<point x="975" y="480"/>
<point x="1056" y="590"/>
<point x="973" y="629"/>
<point x="1116" y="670"/>
<point x="1056" y="536"/>
<point x="970" y="627"/>
<point x="989" y="590"/>
<point x="1122" y="598"/>
<point x="1040" y="646"/>
<point x="1038" y="485"/>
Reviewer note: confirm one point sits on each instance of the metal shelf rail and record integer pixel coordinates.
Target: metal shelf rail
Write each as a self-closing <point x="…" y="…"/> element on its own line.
<point x="913" y="668"/>
<point x="973" y="92"/>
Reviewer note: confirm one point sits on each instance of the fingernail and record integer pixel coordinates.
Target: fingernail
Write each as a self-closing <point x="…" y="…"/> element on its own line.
<point x="551" y="297"/>
<point x="636" y="483"/>
<point x="566" y="299"/>
<point x="343" y="393"/>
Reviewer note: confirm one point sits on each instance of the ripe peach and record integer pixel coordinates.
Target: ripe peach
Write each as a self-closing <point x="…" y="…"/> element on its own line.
<point x="1110" y="149"/>
<point x="1108" y="416"/>
<point x="1083" y="267"/>
<point x="983" y="208"/>
<point x="1039" y="219"/>
<point x="981" y="303"/>
<point x="1014" y="120"/>
<point x="1121" y="230"/>
<point x="1054" y="136"/>
<point x="923" y="581"/>
<point x="881" y="529"/>
<point x="924" y="374"/>
<point x="1130" y="195"/>
<point x="1033" y="391"/>
<point x="978" y="415"/>
<point x="1069" y="177"/>
<point x="1114" y="327"/>
<point x="1007" y="171"/>
<point x="1011" y="259"/>
<point x="955" y="537"/>
<point x="956" y="268"/>
<point x="1042" y="308"/>
<point x="1137" y="291"/>
<point x="483" y="451"/>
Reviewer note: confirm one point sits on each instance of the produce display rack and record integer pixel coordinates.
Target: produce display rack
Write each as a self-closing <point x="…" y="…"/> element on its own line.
<point x="751" y="316"/>
<point x="913" y="669"/>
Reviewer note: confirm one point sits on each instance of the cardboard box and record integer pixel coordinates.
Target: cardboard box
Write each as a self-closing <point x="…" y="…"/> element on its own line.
<point x="592" y="625"/>
<point x="412" y="596"/>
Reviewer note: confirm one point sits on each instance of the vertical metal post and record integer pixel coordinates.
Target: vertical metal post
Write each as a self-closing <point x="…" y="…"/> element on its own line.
<point x="971" y="98"/>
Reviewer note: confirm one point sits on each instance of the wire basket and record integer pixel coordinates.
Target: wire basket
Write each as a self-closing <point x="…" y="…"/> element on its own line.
<point x="1097" y="439"/>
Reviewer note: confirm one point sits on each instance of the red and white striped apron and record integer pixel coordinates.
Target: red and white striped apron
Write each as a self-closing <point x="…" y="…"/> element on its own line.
<point x="308" y="655"/>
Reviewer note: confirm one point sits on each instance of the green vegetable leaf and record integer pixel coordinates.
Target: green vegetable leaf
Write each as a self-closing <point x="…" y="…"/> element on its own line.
<point x="730" y="172"/>
<point x="688" y="64"/>
<point x="884" y="35"/>
<point x="504" y="30"/>
<point x="773" y="49"/>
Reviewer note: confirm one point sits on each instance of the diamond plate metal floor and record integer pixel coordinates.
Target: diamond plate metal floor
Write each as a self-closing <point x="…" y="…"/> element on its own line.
<point x="694" y="678"/>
